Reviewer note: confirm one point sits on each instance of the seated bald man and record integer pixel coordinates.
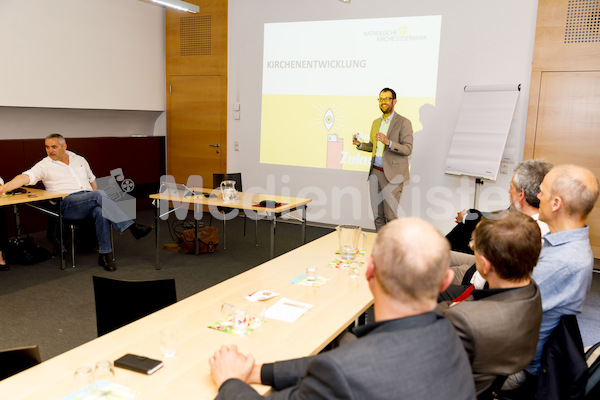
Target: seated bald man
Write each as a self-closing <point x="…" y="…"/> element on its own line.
<point x="397" y="357"/>
<point x="563" y="273"/>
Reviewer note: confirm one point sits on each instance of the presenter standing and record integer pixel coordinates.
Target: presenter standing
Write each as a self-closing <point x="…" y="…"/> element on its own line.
<point x="390" y="144"/>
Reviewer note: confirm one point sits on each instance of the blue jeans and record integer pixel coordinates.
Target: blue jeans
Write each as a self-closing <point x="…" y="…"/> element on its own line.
<point x="80" y="205"/>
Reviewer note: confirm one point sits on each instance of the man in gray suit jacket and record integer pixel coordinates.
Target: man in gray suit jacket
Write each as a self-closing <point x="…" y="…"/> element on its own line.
<point x="499" y="326"/>
<point x="390" y="144"/>
<point x="397" y="357"/>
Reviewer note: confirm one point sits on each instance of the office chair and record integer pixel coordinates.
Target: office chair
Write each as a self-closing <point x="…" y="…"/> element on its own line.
<point x="120" y="302"/>
<point x="73" y="225"/>
<point x="13" y="361"/>
<point x="237" y="177"/>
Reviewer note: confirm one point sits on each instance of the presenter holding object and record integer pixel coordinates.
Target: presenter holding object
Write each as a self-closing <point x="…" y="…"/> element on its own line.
<point x="390" y="144"/>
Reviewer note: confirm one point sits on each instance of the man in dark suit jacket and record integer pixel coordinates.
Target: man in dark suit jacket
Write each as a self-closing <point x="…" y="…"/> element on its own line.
<point x="499" y="326"/>
<point x="390" y="144"/>
<point x="397" y="357"/>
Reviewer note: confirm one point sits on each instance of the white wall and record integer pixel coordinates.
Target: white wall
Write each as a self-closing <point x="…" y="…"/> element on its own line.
<point x="483" y="43"/>
<point x="95" y="55"/>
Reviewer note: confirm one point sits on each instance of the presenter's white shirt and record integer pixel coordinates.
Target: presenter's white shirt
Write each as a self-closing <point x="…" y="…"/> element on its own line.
<point x="60" y="177"/>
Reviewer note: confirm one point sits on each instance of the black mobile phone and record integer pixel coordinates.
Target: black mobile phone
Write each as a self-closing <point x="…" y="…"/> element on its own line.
<point x="137" y="363"/>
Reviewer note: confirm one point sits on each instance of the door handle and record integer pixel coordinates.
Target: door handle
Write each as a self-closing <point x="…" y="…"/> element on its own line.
<point x="213" y="145"/>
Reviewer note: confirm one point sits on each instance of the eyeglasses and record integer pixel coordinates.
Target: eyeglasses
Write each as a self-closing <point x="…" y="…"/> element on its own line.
<point x="386" y="99"/>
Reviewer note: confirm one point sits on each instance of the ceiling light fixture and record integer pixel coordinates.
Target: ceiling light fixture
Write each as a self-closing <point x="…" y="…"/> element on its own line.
<point x="345" y="1"/>
<point x="179" y="5"/>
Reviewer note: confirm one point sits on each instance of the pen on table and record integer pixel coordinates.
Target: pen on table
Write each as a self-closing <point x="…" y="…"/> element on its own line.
<point x="296" y="305"/>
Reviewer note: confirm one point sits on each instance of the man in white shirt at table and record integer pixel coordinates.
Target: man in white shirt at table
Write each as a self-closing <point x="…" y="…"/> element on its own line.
<point x="399" y="356"/>
<point x="66" y="172"/>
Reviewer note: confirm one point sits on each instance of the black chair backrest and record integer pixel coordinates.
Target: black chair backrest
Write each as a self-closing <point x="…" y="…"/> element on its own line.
<point x="120" y="302"/>
<point x="563" y="368"/>
<point x="237" y="177"/>
<point x="13" y="361"/>
<point x="592" y="359"/>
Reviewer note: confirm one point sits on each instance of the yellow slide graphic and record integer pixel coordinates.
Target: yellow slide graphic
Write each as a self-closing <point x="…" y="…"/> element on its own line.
<point x="316" y="131"/>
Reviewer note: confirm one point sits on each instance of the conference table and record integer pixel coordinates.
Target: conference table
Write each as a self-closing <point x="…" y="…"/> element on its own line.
<point x="277" y="206"/>
<point x="337" y="303"/>
<point x="31" y="196"/>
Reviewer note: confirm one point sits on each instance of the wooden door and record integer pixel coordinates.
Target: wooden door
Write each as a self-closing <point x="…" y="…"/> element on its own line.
<point x="568" y="127"/>
<point x="196" y="134"/>
<point x="564" y="98"/>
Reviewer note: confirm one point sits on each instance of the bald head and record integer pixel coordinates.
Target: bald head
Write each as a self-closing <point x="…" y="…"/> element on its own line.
<point x="411" y="259"/>
<point x="577" y="187"/>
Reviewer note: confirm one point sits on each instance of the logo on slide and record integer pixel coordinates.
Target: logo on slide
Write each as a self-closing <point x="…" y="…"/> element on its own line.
<point x="399" y="34"/>
<point x="328" y="119"/>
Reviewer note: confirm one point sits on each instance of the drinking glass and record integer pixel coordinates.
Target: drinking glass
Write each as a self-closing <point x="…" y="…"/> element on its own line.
<point x="168" y="342"/>
<point x="311" y="274"/>
<point x="104" y="370"/>
<point x="83" y="377"/>
<point x="354" y="270"/>
<point x="227" y="310"/>
<point x="240" y="321"/>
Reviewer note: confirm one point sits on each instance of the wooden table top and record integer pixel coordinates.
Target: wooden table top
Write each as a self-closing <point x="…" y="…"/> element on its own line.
<point x="31" y="195"/>
<point x="247" y="201"/>
<point x="187" y="375"/>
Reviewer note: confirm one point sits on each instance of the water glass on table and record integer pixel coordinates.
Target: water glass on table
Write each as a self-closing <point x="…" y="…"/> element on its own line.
<point x="354" y="269"/>
<point x="311" y="274"/>
<point x="83" y="377"/>
<point x="104" y="370"/>
<point x="227" y="310"/>
<point x="168" y="342"/>
<point x="240" y="321"/>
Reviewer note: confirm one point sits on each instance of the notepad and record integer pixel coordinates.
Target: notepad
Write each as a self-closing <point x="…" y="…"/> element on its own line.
<point x="287" y="310"/>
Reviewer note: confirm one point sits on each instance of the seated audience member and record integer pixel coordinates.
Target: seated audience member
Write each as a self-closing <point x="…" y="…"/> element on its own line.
<point x="3" y="242"/>
<point x="66" y="172"/>
<point x="410" y="352"/>
<point x="499" y="326"/>
<point x="523" y="191"/>
<point x="564" y="271"/>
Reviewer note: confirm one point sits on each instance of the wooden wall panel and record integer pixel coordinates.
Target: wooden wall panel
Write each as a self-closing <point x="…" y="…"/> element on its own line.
<point x="554" y="51"/>
<point x="567" y="128"/>
<point x="564" y="99"/>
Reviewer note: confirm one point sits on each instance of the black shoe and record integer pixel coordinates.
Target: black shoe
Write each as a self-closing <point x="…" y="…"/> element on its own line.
<point x="139" y="231"/>
<point x="4" y="267"/>
<point x="105" y="261"/>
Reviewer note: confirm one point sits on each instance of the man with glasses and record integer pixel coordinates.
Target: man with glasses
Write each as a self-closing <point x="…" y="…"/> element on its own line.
<point x="390" y="145"/>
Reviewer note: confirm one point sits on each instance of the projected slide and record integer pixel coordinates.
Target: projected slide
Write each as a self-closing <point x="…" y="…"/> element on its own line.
<point x="321" y="81"/>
